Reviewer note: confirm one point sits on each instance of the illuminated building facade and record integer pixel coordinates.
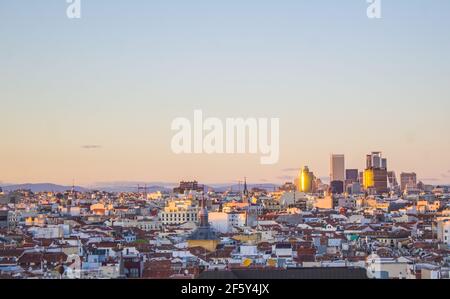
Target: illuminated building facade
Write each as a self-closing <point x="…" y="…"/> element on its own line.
<point x="375" y="178"/>
<point x="178" y="212"/>
<point x="368" y="179"/>
<point x="305" y="180"/>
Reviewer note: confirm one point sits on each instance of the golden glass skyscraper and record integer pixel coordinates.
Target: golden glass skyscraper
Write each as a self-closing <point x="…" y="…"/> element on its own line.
<point x="305" y="180"/>
<point x="375" y="174"/>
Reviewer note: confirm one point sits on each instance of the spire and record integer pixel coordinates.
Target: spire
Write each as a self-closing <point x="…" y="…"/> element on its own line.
<point x="202" y="202"/>
<point x="203" y="213"/>
<point x="245" y="190"/>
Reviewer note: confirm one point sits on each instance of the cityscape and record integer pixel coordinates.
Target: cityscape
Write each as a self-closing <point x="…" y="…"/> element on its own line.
<point x="370" y="223"/>
<point x="220" y="148"/>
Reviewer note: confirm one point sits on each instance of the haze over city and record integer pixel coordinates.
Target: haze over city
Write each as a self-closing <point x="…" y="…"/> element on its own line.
<point x="92" y="100"/>
<point x="224" y="147"/>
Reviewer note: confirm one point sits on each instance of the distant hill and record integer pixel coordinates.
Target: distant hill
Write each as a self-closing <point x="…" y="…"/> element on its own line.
<point x="235" y="187"/>
<point x="42" y="188"/>
<point x="168" y="187"/>
<point x="131" y="187"/>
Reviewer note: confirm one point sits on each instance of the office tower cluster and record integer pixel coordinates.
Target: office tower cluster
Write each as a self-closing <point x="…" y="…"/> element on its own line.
<point x="374" y="179"/>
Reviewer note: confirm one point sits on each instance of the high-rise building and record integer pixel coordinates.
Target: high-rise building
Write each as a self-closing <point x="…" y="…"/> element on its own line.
<point x="375" y="160"/>
<point x="384" y="163"/>
<point x="351" y="180"/>
<point x="337" y="168"/>
<point x="408" y="180"/>
<point x="375" y="177"/>
<point x="305" y="180"/>
<point x="392" y="180"/>
<point x="368" y="161"/>
<point x="361" y="177"/>
<point x="380" y="180"/>
<point x="337" y="187"/>
<point x="354" y="188"/>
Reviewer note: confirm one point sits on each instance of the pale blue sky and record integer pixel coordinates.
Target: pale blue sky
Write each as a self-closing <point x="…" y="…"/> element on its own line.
<point x="338" y="81"/>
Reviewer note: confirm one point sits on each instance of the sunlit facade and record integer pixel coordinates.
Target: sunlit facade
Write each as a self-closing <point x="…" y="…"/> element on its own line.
<point x="305" y="180"/>
<point x="369" y="181"/>
<point x="337" y="168"/>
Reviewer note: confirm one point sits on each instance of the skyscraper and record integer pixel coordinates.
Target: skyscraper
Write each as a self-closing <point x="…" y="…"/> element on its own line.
<point x="384" y="163"/>
<point x="408" y="180"/>
<point x="375" y="175"/>
<point x="305" y="180"/>
<point x="351" y="175"/>
<point x="337" y="187"/>
<point x="392" y="180"/>
<point x="337" y="168"/>
<point x="375" y="160"/>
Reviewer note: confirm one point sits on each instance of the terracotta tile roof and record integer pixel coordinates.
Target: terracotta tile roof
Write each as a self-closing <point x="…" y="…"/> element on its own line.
<point x="167" y="255"/>
<point x="28" y="258"/>
<point x="158" y="269"/>
<point x="222" y="253"/>
<point x="11" y="252"/>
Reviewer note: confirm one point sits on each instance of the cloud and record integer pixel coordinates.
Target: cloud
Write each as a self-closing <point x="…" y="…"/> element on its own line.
<point x="91" y="146"/>
<point x="285" y="177"/>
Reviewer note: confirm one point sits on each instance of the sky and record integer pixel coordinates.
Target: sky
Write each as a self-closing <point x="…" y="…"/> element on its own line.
<point x="92" y="99"/>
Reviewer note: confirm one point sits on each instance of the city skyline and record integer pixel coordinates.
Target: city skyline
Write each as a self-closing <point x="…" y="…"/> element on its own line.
<point x="92" y="99"/>
<point x="197" y="144"/>
<point x="279" y="181"/>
